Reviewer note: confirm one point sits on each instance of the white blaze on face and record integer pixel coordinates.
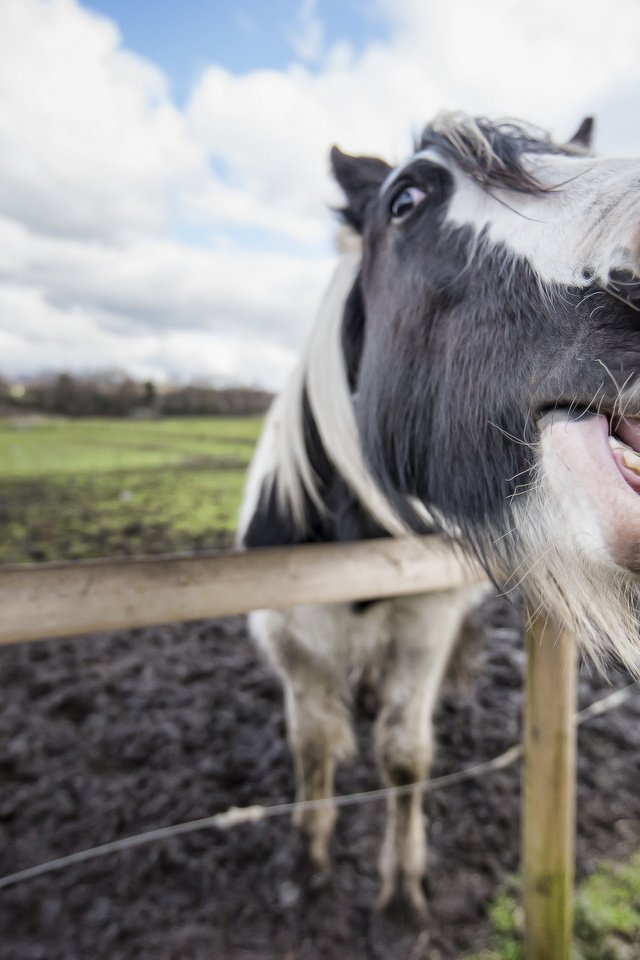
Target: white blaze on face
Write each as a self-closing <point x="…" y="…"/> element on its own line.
<point x="588" y="220"/>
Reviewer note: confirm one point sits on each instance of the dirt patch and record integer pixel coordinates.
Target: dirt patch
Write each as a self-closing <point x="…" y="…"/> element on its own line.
<point x="110" y="735"/>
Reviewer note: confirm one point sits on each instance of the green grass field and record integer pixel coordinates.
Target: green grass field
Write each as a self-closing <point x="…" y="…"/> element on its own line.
<point x="71" y="489"/>
<point x="606" y="919"/>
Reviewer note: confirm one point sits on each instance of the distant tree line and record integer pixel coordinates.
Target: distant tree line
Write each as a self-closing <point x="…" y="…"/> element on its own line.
<point x="116" y="395"/>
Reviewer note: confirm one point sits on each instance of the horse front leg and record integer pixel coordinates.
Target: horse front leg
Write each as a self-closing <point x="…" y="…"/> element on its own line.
<point x="424" y="633"/>
<point x="404" y="748"/>
<point x="321" y="736"/>
<point x="300" y="644"/>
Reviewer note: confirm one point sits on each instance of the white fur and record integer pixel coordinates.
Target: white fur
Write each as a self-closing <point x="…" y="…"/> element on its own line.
<point x="562" y="572"/>
<point x="281" y="457"/>
<point x="401" y="648"/>
<point x="590" y="219"/>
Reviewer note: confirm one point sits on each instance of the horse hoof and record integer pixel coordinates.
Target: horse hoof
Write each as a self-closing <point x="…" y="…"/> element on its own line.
<point x="312" y="869"/>
<point x="406" y="905"/>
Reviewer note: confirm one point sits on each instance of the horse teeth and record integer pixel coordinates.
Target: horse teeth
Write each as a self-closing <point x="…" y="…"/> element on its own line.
<point x="632" y="460"/>
<point x="616" y="444"/>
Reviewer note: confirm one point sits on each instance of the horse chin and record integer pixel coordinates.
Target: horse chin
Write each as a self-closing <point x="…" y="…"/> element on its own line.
<point x="589" y="471"/>
<point x="578" y="530"/>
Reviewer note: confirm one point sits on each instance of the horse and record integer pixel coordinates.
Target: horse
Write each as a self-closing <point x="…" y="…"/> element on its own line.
<point x="473" y="371"/>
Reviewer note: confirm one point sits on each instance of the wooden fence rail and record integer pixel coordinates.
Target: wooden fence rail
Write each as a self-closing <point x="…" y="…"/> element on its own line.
<point x="54" y="600"/>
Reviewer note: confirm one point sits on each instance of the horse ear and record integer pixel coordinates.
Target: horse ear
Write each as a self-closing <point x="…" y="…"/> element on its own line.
<point x="360" y="178"/>
<point x="583" y="136"/>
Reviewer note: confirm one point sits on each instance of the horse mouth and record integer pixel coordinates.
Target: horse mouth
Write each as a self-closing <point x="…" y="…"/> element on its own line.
<point x="591" y="462"/>
<point x="624" y="443"/>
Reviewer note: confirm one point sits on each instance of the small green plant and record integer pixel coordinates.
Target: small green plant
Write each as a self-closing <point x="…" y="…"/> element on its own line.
<point x="607" y="913"/>
<point x="505" y="914"/>
<point x="606" y="917"/>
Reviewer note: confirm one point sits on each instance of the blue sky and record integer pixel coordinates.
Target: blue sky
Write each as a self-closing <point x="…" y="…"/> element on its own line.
<point x="184" y="37"/>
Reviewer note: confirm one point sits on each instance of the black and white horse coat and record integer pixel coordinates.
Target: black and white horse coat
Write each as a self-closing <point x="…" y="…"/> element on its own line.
<point x="473" y="369"/>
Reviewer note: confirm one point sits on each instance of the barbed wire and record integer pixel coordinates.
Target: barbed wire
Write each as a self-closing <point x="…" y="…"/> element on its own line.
<point x="237" y="816"/>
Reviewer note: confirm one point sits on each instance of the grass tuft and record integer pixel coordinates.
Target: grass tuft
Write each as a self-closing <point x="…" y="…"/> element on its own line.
<point x="606" y="918"/>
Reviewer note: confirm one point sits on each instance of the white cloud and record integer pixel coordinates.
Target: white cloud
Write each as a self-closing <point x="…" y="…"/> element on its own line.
<point x="157" y="284"/>
<point x="81" y="340"/>
<point x="151" y="304"/>
<point x="99" y="169"/>
<point x="546" y="63"/>
<point x="90" y="144"/>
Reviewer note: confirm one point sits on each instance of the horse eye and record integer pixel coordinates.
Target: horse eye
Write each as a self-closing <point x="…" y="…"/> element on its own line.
<point x="406" y="201"/>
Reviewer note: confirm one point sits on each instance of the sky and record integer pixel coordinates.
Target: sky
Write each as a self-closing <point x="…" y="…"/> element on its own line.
<point x="164" y="187"/>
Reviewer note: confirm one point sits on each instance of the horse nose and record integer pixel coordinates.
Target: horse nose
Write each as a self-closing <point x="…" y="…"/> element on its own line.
<point x="625" y="285"/>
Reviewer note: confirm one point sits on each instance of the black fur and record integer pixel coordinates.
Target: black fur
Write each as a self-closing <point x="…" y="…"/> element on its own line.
<point x="353" y="333"/>
<point x="463" y="351"/>
<point x="341" y="519"/>
<point x="454" y="351"/>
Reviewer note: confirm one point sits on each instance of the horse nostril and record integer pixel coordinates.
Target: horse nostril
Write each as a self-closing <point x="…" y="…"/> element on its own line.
<point x="625" y="285"/>
<point x="624" y="277"/>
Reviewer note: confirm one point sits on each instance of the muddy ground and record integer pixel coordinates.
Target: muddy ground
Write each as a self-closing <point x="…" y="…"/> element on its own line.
<point x="106" y="736"/>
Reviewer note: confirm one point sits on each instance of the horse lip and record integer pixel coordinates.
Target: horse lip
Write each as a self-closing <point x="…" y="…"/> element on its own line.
<point x="588" y="482"/>
<point x="551" y="414"/>
<point x="608" y="426"/>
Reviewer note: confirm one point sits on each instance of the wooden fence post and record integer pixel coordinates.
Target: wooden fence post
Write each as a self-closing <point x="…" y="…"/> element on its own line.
<point x="549" y="794"/>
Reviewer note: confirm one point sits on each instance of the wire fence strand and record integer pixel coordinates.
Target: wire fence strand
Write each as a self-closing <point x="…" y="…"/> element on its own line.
<point x="237" y="816"/>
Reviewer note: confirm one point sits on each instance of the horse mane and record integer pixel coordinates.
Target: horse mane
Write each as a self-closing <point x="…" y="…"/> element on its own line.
<point x="492" y="153"/>
<point x="320" y="382"/>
